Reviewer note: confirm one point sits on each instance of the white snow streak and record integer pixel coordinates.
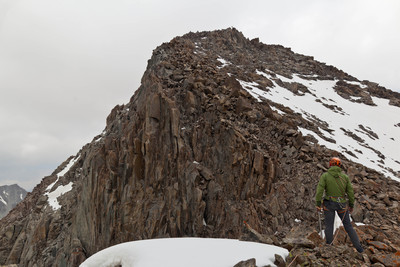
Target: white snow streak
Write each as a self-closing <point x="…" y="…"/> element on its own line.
<point x="224" y="62"/>
<point x="61" y="189"/>
<point x="52" y="196"/>
<point x="2" y="200"/>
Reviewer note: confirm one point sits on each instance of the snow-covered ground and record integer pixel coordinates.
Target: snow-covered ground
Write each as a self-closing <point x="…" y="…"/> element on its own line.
<point x="184" y="252"/>
<point x="347" y="117"/>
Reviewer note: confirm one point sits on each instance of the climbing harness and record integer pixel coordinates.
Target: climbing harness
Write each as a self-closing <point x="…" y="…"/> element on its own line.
<point x="340" y="200"/>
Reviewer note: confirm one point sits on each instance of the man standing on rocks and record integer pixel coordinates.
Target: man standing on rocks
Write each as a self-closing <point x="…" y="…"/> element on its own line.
<point x="336" y="186"/>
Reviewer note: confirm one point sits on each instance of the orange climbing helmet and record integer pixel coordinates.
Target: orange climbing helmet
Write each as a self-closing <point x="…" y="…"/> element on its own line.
<point x="335" y="162"/>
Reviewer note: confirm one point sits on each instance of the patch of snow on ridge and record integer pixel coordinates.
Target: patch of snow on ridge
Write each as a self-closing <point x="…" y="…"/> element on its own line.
<point x="61" y="189"/>
<point x="2" y="200"/>
<point x="224" y="62"/>
<point x="253" y="90"/>
<point x="183" y="252"/>
<point x="357" y="83"/>
<point x="52" y="196"/>
<point x="339" y="113"/>
<point x="66" y="169"/>
<point x="355" y="97"/>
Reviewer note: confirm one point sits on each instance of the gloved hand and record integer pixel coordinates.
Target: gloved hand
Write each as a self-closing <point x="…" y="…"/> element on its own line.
<point x="319" y="209"/>
<point x="350" y="209"/>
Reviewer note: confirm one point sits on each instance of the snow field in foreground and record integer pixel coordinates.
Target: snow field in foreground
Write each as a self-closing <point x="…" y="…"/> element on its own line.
<point x="183" y="252"/>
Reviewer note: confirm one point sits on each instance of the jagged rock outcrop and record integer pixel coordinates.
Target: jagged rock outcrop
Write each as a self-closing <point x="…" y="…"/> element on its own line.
<point x="195" y="154"/>
<point x="10" y="196"/>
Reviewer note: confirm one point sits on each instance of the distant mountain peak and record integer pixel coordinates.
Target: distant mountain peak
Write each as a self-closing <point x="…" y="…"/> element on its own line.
<point x="10" y="196"/>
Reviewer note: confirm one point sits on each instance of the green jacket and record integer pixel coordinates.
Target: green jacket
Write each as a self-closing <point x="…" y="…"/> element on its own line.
<point x="335" y="184"/>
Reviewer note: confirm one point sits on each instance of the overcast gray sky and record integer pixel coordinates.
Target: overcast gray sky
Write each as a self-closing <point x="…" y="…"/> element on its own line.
<point x="64" y="64"/>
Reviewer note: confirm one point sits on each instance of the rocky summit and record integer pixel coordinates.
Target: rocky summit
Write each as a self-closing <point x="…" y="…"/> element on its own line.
<point x="225" y="137"/>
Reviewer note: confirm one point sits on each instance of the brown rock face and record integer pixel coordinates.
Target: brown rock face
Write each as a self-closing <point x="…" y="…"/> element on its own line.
<point x="192" y="154"/>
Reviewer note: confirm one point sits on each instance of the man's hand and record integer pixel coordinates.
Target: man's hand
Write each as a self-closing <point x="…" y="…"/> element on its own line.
<point x="319" y="209"/>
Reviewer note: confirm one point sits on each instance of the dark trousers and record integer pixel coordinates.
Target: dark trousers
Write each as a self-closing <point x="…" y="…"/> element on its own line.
<point x="330" y="208"/>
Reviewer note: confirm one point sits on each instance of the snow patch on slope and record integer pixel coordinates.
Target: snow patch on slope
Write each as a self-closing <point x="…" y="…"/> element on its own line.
<point x="54" y="193"/>
<point x="52" y="196"/>
<point x="365" y="134"/>
<point x="223" y="62"/>
<point x="2" y="200"/>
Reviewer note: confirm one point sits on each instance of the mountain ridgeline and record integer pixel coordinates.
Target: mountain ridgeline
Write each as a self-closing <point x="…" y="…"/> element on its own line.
<point x="209" y="141"/>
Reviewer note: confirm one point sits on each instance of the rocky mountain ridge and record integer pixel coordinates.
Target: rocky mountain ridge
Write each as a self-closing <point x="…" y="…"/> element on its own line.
<point x="198" y="150"/>
<point x="10" y="196"/>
